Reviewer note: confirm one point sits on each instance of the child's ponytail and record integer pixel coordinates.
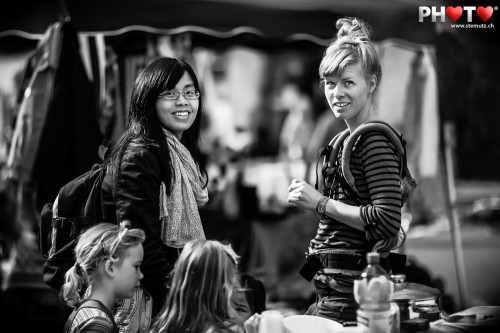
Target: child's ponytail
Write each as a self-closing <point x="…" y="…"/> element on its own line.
<point x="73" y="284"/>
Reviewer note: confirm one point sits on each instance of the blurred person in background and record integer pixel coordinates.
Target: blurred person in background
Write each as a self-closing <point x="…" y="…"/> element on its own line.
<point x="9" y="230"/>
<point x="26" y="303"/>
<point x="350" y="74"/>
<point x="295" y="97"/>
<point x="153" y="174"/>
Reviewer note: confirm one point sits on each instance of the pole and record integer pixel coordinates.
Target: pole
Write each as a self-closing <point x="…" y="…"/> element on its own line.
<point x="456" y="236"/>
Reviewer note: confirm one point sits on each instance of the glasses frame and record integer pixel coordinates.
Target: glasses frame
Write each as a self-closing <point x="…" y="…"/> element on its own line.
<point x="178" y="94"/>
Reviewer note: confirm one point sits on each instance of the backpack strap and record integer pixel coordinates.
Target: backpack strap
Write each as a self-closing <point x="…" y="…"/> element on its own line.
<point x="330" y="153"/>
<point x="345" y="178"/>
<point x="389" y="131"/>
<point x="89" y="303"/>
<point x="336" y="144"/>
<point x="325" y="151"/>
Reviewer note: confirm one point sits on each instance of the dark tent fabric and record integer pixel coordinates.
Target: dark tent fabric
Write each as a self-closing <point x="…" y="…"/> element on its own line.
<point x="277" y="22"/>
<point x="60" y="140"/>
<point x="71" y="134"/>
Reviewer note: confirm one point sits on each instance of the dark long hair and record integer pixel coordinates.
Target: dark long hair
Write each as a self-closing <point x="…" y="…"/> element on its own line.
<point x="143" y="124"/>
<point x="254" y="292"/>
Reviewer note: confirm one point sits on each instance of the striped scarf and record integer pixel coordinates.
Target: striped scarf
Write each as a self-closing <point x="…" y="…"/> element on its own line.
<point x="179" y="216"/>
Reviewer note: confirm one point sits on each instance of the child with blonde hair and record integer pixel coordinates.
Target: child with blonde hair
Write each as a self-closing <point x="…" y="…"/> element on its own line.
<point x="199" y="297"/>
<point x="108" y="259"/>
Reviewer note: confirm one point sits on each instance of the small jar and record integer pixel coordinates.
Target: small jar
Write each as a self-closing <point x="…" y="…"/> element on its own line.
<point x="415" y="325"/>
<point x="399" y="281"/>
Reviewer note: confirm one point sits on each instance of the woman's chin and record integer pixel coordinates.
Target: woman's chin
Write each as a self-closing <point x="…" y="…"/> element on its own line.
<point x="340" y="115"/>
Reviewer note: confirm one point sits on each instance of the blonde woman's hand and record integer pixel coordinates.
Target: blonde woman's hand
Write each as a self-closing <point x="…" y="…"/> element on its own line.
<point x="303" y="195"/>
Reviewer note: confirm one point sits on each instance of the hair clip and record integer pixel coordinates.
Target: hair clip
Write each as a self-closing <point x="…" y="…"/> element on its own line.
<point x="126" y="224"/>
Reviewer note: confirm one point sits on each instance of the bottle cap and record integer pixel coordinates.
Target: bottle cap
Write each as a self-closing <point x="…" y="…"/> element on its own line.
<point x="373" y="258"/>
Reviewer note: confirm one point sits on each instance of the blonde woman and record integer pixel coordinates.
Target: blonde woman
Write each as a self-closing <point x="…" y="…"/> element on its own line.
<point x="350" y="74"/>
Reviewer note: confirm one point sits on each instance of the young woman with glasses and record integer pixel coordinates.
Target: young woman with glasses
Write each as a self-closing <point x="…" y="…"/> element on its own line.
<point x="153" y="173"/>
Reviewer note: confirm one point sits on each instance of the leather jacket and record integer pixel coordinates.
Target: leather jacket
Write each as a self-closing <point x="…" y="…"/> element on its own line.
<point x="134" y="196"/>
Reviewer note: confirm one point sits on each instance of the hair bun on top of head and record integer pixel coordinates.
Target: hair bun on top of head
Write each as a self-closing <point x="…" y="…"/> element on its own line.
<point x="353" y="28"/>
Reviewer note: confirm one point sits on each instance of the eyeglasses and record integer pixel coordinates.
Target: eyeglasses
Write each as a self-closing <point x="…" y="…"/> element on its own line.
<point x="173" y="95"/>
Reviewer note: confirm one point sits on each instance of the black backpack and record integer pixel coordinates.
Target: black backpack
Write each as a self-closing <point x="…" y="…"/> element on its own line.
<point x="345" y="177"/>
<point x="342" y="172"/>
<point x="79" y="207"/>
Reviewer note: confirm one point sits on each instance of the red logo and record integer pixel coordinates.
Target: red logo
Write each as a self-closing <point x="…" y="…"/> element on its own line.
<point x="454" y="13"/>
<point x="483" y="13"/>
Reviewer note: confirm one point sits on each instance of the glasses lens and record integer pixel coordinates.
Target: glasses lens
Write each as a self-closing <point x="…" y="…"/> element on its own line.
<point x="192" y="94"/>
<point x="170" y="95"/>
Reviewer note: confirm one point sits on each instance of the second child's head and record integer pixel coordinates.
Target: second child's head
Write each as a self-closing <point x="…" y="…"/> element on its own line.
<point x="201" y="287"/>
<point x="248" y="298"/>
<point x="109" y="257"/>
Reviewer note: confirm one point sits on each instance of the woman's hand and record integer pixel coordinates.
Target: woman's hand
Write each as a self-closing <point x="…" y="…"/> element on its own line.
<point x="303" y="195"/>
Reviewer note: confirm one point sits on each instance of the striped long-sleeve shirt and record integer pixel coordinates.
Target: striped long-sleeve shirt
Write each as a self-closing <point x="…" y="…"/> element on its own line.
<point x="375" y="167"/>
<point x="91" y="316"/>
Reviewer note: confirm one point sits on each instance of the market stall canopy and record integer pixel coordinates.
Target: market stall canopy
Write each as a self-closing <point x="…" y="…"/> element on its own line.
<point x="276" y="20"/>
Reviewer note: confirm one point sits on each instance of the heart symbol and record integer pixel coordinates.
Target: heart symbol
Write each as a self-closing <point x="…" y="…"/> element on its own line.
<point x="454" y="12"/>
<point x="484" y="13"/>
